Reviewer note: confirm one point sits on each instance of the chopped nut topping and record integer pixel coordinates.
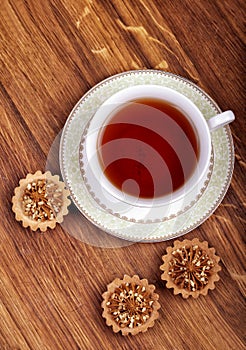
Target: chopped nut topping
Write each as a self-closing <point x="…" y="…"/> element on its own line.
<point x="42" y="200"/>
<point x="190" y="268"/>
<point x="130" y="305"/>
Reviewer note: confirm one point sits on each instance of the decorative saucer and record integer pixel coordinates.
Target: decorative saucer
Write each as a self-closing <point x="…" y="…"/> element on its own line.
<point x="161" y="225"/>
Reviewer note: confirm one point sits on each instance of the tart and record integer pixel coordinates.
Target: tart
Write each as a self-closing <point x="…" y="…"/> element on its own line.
<point x="190" y="268"/>
<point x="40" y="201"/>
<point x="130" y="305"/>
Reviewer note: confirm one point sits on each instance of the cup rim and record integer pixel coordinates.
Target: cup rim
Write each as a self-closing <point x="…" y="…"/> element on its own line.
<point x="100" y="119"/>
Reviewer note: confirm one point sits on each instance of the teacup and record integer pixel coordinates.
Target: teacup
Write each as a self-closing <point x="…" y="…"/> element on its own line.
<point x="149" y="145"/>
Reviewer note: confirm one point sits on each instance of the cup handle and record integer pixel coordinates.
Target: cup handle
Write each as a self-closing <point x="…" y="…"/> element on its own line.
<point x="220" y="120"/>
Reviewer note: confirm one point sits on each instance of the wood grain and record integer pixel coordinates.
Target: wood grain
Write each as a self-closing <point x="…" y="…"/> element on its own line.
<point x="52" y="52"/>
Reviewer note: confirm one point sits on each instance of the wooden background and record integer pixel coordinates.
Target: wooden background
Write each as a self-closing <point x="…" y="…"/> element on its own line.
<point x="52" y="52"/>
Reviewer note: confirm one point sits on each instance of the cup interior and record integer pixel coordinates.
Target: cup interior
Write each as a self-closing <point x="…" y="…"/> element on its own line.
<point x="107" y="111"/>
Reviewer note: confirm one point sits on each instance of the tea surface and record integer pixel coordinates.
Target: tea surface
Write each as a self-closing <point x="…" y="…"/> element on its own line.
<point x="148" y="148"/>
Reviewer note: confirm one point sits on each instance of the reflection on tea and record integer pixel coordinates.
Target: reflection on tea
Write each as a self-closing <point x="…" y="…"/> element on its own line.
<point x="148" y="148"/>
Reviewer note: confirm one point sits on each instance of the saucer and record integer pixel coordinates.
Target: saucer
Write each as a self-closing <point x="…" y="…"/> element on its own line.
<point x="133" y="225"/>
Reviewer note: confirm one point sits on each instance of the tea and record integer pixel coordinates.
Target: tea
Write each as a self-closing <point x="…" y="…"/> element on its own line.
<point x="148" y="148"/>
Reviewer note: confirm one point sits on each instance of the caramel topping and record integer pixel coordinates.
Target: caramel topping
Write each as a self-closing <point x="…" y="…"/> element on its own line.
<point x="190" y="268"/>
<point x="42" y="200"/>
<point x="130" y="305"/>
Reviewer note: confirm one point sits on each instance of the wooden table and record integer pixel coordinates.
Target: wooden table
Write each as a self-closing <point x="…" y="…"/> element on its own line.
<point x="52" y="52"/>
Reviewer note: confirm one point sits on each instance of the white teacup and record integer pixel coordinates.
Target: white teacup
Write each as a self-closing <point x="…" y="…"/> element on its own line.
<point x="201" y="127"/>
